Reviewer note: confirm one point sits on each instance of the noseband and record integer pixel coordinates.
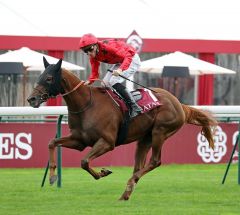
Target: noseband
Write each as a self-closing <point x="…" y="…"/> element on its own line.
<point x="43" y="96"/>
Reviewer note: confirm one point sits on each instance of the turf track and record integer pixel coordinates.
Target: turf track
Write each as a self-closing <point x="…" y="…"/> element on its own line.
<point x="170" y="189"/>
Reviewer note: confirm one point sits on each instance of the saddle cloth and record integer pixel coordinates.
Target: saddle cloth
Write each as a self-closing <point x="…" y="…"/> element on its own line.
<point x="144" y="97"/>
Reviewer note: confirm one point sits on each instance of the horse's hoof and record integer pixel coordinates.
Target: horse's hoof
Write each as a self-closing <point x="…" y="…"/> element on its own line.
<point x="106" y="172"/>
<point x="123" y="198"/>
<point x="52" y="179"/>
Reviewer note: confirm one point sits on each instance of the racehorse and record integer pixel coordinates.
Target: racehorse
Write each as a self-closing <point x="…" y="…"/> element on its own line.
<point x="94" y="120"/>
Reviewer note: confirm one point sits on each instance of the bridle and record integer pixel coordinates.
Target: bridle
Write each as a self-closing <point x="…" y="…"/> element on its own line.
<point x="44" y="96"/>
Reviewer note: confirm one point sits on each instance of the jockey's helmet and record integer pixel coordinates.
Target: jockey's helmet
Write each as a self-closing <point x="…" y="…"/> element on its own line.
<point x="87" y="40"/>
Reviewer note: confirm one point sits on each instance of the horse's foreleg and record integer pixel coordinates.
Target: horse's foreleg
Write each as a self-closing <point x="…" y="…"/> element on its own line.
<point x="99" y="148"/>
<point x="52" y="162"/>
<point x="154" y="162"/>
<point x="65" y="142"/>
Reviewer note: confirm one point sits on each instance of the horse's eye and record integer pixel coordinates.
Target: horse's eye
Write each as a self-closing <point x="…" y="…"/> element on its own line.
<point x="49" y="79"/>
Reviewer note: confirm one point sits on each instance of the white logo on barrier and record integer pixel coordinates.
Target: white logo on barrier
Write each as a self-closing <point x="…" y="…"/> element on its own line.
<point x="207" y="154"/>
<point x="17" y="147"/>
<point x="235" y="155"/>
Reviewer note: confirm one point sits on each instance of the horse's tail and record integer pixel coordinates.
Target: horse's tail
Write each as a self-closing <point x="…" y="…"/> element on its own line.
<point x="201" y="118"/>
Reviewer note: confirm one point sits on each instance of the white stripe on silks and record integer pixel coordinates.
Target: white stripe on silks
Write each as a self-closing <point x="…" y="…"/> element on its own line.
<point x="129" y="84"/>
<point x="151" y="94"/>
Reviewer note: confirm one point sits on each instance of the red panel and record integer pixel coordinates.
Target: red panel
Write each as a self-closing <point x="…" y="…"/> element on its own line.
<point x="191" y="46"/>
<point x="206" y="82"/>
<point x="39" y="43"/>
<point x="26" y="145"/>
<point x="149" y="45"/>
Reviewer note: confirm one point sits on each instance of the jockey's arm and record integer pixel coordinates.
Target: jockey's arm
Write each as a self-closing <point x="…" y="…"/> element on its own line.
<point x="95" y="70"/>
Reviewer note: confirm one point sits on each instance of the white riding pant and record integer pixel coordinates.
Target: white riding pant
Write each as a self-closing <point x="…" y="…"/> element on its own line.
<point x="110" y="79"/>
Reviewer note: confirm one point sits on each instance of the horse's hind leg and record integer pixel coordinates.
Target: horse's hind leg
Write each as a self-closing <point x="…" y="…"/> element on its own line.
<point x="143" y="147"/>
<point x="155" y="161"/>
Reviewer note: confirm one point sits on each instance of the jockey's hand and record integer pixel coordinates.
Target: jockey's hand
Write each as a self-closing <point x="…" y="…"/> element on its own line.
<point x="117" y="72"/>
<point x="87" y="82"/>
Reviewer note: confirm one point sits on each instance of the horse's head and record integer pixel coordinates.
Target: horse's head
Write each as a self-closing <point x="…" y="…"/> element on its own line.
<point x="48" y="84"/>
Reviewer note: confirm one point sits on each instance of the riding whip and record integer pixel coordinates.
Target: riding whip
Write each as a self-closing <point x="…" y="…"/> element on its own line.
<point x="109" y="70"/>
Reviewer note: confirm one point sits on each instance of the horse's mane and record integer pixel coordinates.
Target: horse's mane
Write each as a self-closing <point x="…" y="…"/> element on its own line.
<point x="69" y="73"/>
<point x="70" y="77"/>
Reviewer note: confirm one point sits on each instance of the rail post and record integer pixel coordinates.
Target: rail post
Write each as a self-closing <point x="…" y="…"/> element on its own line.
<point x="239" y="154"/>
<point x="59" y="152"/>
<point x="231" y="157"/>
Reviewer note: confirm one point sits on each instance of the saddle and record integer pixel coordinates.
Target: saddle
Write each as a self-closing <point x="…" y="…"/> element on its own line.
<point x="144" y="98"/>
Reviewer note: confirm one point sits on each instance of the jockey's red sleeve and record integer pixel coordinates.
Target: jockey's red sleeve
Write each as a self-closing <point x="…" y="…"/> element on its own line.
<point x="95" y="70"/>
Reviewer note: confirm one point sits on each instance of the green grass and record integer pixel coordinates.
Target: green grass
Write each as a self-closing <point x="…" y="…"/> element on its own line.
<point x="172" y="189"/>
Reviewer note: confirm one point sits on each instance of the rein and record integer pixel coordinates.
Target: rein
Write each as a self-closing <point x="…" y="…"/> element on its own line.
<point x="67" y="93"/>
<point x="88" y="105"/>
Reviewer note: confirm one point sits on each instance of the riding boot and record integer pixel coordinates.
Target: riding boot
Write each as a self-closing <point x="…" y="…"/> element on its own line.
<point x="135" y="109"/>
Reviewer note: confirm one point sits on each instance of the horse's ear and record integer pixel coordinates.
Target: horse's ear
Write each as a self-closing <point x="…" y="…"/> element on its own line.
<point x="58" y="65"/>
<point x="46" y="64"/>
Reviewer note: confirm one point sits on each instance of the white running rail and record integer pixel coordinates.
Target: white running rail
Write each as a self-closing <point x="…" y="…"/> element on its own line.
<point x="218" y="111"/>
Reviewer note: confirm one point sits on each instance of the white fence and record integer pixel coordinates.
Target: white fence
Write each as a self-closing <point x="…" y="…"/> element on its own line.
<point x="218" y="111"/>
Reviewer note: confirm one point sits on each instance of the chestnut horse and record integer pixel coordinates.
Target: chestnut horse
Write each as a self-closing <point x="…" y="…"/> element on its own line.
<point x="94" y="120"/>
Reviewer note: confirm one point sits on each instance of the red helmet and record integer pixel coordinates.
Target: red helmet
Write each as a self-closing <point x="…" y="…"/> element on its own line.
<point x="87" y="39"/>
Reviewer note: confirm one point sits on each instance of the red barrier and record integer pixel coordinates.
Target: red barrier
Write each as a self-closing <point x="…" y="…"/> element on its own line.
<point x="26" y="145"/>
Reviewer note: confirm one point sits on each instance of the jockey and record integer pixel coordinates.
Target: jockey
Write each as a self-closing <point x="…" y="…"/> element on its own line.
<point x="125" y="59"/>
